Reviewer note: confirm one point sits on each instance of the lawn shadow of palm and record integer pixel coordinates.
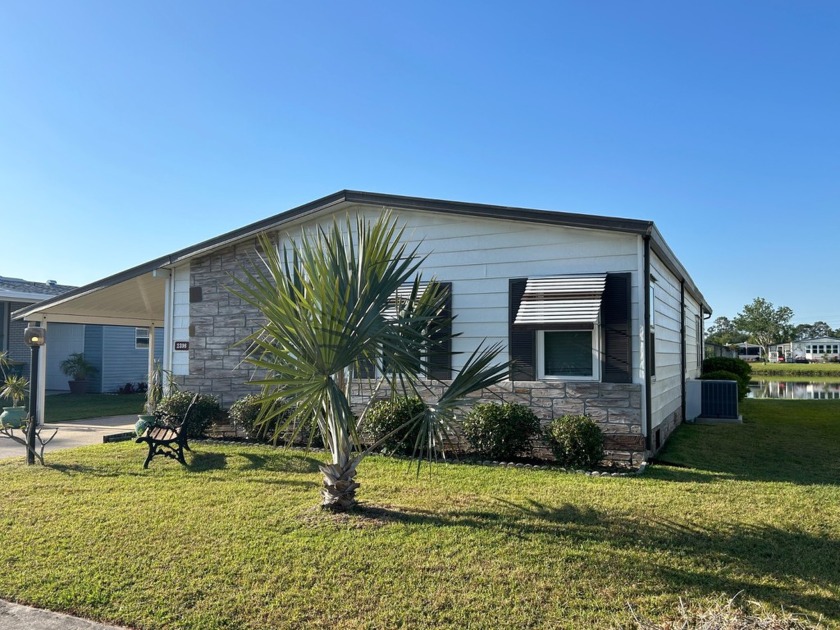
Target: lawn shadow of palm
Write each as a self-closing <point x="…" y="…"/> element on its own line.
<point x="787" y="555"/>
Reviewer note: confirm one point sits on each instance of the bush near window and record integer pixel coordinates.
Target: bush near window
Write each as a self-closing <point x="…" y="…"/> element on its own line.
<point x="206" y="411"/>
<point x="386" y="416"/>
<point x="500" y="431"/>
<point x="723" y="375"/>
<point x="244" y="413"/>
<point x="576" y="441"/>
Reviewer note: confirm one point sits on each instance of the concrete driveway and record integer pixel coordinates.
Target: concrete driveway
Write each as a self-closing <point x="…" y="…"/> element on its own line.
<point x="72" y="434"/>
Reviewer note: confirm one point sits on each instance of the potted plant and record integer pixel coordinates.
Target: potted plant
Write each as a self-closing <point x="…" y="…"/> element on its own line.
<point x="78" y="369"/>
<point x="154" y="391"/>
<point x="15" y="387"/>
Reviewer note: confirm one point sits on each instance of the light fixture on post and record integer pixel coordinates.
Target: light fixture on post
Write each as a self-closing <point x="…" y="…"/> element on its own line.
<point x="34" y="337"/>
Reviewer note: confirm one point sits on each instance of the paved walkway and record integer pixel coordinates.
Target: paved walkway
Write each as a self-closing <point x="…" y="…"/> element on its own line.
<point x="71" y="434"/>
<point x="17" y="617"/>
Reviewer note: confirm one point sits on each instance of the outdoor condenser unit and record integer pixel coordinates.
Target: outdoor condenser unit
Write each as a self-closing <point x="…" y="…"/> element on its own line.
<point x="711" y="399"/>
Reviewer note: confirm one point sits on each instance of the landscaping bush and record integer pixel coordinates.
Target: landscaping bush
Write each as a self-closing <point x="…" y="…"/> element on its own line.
<point x="500" y="431"/>
<point x="723" y="375"/>
<point x="576" y="441"/>
<point x="740" y="368"/>
<point x="206" y="411"/>
<point x="386" y="416"/>
<point x="244" y="413"/>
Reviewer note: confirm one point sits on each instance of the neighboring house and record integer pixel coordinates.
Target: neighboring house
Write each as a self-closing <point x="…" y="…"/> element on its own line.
<point x="119" y="353"/>
<point x="818" y="350"/>
<point x="598" y="313"/>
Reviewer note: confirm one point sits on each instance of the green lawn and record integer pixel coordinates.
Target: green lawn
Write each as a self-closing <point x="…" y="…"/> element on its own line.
<point x="235" y="541"/>
<point x="63" y="407"/>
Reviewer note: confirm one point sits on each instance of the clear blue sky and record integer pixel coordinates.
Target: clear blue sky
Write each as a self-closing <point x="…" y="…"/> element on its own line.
<point x="132" y="129"/>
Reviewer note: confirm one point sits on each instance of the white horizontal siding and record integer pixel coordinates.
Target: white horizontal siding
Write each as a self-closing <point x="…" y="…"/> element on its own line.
<point x="666" y="391"/>
<point x="479" y="256"/>
<point x="181" y="319"/>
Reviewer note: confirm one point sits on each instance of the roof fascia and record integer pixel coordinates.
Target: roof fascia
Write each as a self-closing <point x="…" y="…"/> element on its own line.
<point x="661" y="249"/>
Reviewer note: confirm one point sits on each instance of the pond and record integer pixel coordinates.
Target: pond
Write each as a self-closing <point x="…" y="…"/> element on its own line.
<point x="803" y="389"/>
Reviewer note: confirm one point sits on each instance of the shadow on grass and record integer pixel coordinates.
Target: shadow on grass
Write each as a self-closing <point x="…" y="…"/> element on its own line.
<point x="202" y="462"/>
<point x="716" y="554"/>
<point x="94" y="471"/>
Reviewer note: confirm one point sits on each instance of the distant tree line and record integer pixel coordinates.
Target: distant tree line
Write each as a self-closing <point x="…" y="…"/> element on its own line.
<point x="763" y="324"/>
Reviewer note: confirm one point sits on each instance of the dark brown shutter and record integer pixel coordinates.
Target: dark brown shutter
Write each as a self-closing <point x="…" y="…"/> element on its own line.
<point x="615" y="322"/>
<point x="521" y="341"/>
<point x="440" y="356"/>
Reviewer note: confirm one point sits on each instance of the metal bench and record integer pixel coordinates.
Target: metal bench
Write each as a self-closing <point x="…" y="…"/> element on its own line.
<point x="169" y="440"/>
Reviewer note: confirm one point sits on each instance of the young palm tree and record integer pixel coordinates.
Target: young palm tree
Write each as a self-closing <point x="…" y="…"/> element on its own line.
<point x="331" y="311"/>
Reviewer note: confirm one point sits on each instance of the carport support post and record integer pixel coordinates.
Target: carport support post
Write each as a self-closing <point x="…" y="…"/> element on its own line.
<point x="151" y="370"/>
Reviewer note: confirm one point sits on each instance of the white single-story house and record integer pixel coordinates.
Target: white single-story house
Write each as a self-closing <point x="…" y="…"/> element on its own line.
<point x="597" y="312"/>
<point x="119" y="353"/>
<point x="818" y="350"/>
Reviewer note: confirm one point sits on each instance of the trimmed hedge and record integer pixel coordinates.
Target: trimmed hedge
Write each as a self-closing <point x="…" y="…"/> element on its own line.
<point x="206" y="411"/>
<point x="386" y="416"/>
<point x="244" y="414"/>
<point x="576" y="441"/>
<point x="500" y="431"/>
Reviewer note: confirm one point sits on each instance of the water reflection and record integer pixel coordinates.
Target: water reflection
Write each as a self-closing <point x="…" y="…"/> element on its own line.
<point x="795" y="390"/>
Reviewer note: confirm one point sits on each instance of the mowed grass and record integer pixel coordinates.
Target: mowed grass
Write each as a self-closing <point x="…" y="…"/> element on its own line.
<point x="64" y="407"/>
<point x="236" y="539"/>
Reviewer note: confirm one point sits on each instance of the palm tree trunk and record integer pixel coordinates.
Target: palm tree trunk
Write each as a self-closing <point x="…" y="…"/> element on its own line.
<point x="339" y="491"/>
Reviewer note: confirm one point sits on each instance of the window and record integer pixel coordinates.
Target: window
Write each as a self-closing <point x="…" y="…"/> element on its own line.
<point x="571" y="327"/>
<point x="141" y="338"/>
<point x="568" y="354"/>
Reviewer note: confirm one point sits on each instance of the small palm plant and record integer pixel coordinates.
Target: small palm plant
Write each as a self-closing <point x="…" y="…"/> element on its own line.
<point x="329" y="306"/>
<point x="15" y="387"/>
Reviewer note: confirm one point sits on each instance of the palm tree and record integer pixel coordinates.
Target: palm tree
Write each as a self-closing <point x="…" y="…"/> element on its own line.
<point x="334" y="304"/>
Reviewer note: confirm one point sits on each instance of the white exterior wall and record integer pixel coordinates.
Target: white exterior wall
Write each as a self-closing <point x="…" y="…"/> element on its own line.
<point x="479" y="256"/>
<point x="180" y="298"/>
<point x="666" y="390"/>
<point x="693" y="360"/>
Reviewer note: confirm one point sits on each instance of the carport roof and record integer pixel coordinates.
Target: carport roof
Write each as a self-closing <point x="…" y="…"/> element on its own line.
<point x="136" y="297"/>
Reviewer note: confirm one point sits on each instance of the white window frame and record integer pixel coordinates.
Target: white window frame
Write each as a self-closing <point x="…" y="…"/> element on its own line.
<point x="138" y="336"/>
<point x="596" y="355"/>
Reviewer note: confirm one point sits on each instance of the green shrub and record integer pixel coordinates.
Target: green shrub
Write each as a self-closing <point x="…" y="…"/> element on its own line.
<point x="500" y="431"/>
<point x="576" y="441"/>
<point x="723" y="375"/>
<point x="245" y="412"/>
<point x="739" y="367"/>
<point x="386" y="416"/>
<point x="207" y="410"/>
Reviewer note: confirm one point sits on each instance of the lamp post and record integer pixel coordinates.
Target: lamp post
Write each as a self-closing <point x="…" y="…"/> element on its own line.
<point x="34" y="337"/>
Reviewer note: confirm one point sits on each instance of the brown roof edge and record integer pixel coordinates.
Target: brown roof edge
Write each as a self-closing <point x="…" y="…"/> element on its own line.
<point x="632" y="226"/>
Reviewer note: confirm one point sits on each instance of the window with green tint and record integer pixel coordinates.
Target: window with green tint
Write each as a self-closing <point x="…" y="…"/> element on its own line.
<point x="567" y="353"/>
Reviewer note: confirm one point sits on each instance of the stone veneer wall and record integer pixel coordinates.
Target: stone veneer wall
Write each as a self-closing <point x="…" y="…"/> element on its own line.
<point x="217" y="323"/>
<point x="617" y="408"/>
<point x="221" y="319"/>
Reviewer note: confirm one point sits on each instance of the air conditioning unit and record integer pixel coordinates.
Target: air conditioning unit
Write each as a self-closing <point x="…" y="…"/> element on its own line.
<point x="711" y="400"/>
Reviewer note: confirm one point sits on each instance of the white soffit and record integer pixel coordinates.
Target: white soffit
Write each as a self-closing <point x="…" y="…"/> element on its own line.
<point x="138" y="301"/>
<point x="562" y="300"/>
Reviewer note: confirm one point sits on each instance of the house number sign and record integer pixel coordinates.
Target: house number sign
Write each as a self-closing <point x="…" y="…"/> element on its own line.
<point x="182" y="345"/>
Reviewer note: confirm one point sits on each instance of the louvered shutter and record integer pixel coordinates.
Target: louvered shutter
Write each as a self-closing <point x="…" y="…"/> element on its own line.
<point x="521" y="341"/>
<point x="440" y="356"/>
<point x="615" y="322"/>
